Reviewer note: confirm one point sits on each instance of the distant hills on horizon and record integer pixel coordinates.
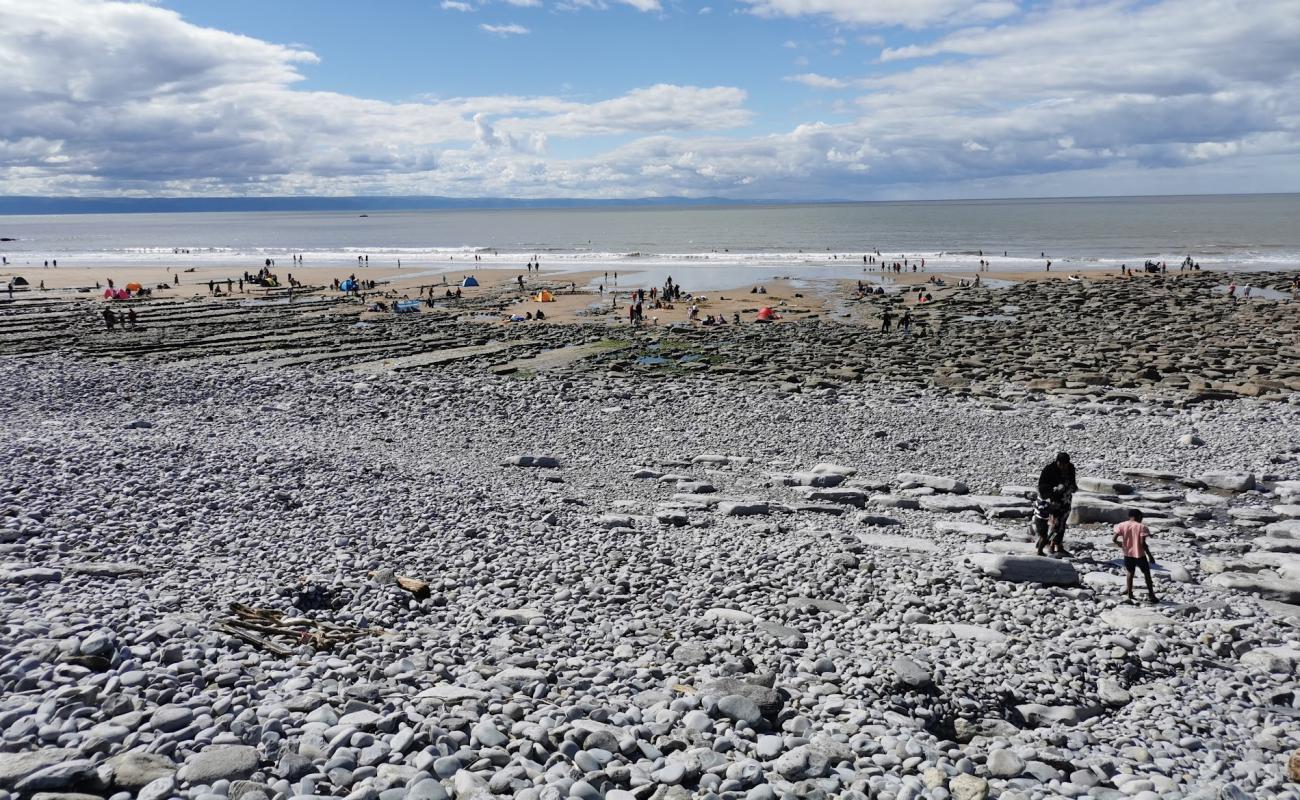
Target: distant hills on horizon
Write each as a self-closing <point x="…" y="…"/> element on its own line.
<point x="30" y="205"/>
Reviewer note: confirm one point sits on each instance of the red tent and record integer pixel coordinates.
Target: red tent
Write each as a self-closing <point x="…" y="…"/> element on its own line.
<point x="766" y="314"/>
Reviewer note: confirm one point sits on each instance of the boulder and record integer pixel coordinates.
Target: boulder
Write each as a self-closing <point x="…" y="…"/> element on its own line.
<point x="768" y="699"/>
<point x="1026" y="569"/>
<point x="968" y="787"/>
<point x="911" y="674"/>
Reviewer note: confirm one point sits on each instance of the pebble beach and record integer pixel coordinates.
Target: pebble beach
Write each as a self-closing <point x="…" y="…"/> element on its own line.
<point x="261" y="550"/>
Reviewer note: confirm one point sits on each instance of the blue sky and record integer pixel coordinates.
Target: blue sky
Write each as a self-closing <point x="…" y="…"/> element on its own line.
<point x="784" y="99"/>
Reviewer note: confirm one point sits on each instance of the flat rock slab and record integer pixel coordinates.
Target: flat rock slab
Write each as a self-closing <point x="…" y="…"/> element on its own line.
<point x="816" y="604"/>
<point x="852" y="497"/>
<point x="533" y="461"/>
<point x="893" y="501"/>
<point x="1269" y="588"/>
<point x="892" y="541"/>
<point x="826" y="468"/>
<point x="729" y="615"/>
<point x="1152" y="474"/>
<point x="1287" y="528"/>
<point x="1038" y="716"/>
<point x="562" y="356"/>
<point x="1104" y="486"/>
<point x="956" y="630"/>
<point x="105" y="569"/>
<point x="972" y="530"/>
<point x="1134" y="618"/>
<point x="31" y="575"/>
<point x="450" y="693"/>
<point x="991" y="501"/>
<point x="783" y="633"/>
<point x="1026" y="569"/>
<point x="949" y="503"/>
<point x="432" y="358"/>
<point x="1228" y="481"/>
<point x="1273" y="659"/>
<point x="14" y="767"/>
<point x="1089" y="511"/>
<point x="936" y="482"/>
<point x="743" y="508"/>
<point x="1276" y="544"/>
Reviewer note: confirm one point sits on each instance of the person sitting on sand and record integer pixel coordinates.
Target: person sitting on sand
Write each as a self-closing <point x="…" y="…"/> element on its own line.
<point x="1132" y="537"/>
<point x="540" y="315"/>
<point x="1057" y="485"/>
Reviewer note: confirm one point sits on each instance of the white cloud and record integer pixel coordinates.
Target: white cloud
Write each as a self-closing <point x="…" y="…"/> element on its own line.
<point x="640" y="5"/>
<point x="104" y="98"/>
<point x="525" y="3"/>
<point x="456" y="5"/>
<point x="910" y="13"/>
<point x="815" y="81"/>
<point x="505" y="30"/>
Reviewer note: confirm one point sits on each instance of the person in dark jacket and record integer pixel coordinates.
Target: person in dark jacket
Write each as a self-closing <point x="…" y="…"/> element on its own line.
<point x="1056" y="488"/>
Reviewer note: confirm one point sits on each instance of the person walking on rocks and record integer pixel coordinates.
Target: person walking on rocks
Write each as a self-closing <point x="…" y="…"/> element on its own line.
<point x="1056" y="486"/>
<point x="1132" y="537"/>
<point x="885" y="319"/>
<point x="110" y="319"/>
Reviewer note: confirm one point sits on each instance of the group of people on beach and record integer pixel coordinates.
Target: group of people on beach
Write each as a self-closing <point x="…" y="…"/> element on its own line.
<point x="117" y="319"/>
<point x="1057" y="485"/>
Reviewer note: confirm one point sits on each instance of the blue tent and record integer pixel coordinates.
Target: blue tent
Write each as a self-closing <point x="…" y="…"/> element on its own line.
<point x="470" y="281"/>
<point x="348" y="285"/>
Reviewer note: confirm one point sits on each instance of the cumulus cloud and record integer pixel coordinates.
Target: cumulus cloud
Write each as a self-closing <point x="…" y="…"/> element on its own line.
<point x="815" y="81"/>
<point x="456" y="5"/>
<point x="911" y="13"/>
<point x="117" y="97"/>
<point x="505" y="30"/>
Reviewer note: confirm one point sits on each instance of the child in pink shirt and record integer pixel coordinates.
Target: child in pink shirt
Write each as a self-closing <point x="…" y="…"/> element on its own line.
<point x="1132" y="536"/>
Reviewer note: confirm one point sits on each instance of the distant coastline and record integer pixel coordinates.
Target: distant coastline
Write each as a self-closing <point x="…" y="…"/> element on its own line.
<point x="33" y="206"/>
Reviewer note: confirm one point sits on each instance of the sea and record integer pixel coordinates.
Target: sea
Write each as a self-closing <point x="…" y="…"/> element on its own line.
<point x="704" y="247"/>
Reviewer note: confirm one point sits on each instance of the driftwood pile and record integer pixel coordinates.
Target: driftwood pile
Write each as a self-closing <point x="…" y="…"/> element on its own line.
<point x="277" y="634"/>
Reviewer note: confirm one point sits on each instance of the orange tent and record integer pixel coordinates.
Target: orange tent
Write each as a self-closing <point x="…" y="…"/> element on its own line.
<point x="766" y="314"/>
<point x="133" y="287"/>
<point x="544" y="296"/>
